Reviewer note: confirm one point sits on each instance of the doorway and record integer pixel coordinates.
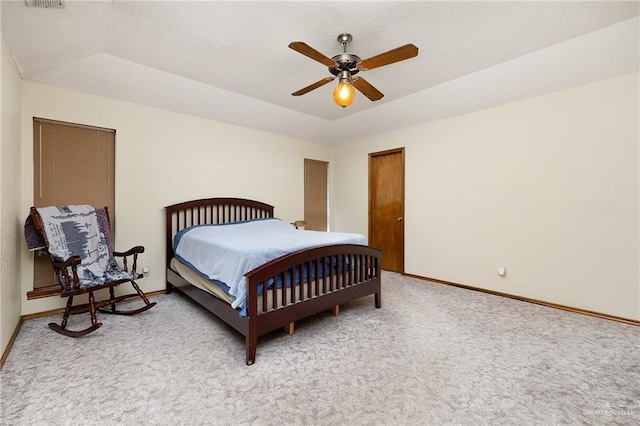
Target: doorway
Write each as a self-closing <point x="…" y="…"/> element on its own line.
<point x="316" y="195"/>
<point x="386" y="207"/>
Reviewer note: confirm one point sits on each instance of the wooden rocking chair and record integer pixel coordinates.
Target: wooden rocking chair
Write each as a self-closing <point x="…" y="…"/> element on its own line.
<point x="78" y="240"/>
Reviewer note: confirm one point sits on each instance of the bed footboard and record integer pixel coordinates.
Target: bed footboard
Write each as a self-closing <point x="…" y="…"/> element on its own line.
<point x="308" y="281"/>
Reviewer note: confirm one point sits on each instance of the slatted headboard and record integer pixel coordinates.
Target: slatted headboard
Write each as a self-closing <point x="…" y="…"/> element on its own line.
<point x="211" y="210"/>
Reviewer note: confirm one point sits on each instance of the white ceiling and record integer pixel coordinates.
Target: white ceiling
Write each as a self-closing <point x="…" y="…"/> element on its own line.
<point x="230" y="61"/>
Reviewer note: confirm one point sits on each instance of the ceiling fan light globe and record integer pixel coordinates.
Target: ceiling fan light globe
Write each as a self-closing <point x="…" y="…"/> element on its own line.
<point x="343" y="94"/>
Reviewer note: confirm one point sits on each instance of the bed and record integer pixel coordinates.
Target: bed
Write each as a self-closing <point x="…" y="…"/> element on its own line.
<point x="278" y="292"/>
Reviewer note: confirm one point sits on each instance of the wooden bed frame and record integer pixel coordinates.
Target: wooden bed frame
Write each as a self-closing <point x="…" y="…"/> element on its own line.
<point x="285" y="305"/>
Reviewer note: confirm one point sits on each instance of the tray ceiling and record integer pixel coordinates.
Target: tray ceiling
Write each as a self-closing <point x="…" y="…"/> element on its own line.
<point x="230" y="61"/>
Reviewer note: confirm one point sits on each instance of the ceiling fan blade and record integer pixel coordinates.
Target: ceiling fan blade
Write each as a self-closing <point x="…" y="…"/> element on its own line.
<point x="312" y="53"/>
<point x="367" y="89"/>
<point x="396" y="55"/>
<point x="313" y="86"/>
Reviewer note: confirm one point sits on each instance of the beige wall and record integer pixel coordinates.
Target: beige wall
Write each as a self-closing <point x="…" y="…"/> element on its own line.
<point x="10" y="217"/>
<point x="547" y="186"/>
<point x="163" y="158"/>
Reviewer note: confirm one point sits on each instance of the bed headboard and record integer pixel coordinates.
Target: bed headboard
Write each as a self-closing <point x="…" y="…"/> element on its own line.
<point x="211" y="210"/>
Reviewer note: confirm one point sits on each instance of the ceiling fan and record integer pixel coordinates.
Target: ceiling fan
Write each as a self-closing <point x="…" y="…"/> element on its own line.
<point x="346" y="65"/>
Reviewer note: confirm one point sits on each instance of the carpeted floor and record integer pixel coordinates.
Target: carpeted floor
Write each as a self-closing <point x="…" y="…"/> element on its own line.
<point x="433" y="355"/>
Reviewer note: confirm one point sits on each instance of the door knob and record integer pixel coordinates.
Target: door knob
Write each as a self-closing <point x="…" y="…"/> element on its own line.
<point x="399" y="219"/>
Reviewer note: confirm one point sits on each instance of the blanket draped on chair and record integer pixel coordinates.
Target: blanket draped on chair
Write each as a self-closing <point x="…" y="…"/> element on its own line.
<point x="74" y="231"/>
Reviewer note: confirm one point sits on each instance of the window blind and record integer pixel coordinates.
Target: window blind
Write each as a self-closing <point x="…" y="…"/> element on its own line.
<point x="72" y="164"/>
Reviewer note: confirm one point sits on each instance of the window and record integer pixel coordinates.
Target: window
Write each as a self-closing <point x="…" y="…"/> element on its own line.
<point x="72" y="164"/>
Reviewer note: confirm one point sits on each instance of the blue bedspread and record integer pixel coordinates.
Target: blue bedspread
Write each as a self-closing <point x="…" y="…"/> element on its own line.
<point x="225" y="252"/>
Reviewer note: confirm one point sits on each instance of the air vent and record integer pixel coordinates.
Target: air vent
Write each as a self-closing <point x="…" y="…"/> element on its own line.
<point x="45" y="3"/>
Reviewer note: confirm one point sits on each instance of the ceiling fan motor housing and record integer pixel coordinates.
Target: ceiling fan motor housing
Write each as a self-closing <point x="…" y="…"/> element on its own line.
<point x="346" y="62"/>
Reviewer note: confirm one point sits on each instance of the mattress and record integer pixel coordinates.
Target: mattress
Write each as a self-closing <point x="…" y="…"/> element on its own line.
<point x="197" y="280"/>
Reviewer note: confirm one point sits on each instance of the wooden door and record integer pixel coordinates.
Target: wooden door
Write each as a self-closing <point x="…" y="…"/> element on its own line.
<point x="386" y="207"/>
<point x="315" y="194"/>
